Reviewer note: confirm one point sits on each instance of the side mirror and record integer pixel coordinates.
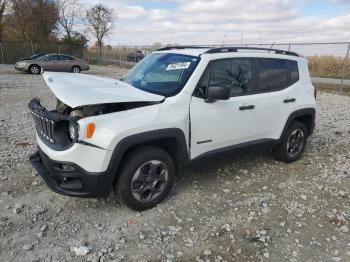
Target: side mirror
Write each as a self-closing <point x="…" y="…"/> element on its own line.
<point x="218" y="93"/>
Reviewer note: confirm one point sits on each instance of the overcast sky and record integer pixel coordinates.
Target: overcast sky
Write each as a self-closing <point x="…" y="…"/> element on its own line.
<point x="144" y="22"/>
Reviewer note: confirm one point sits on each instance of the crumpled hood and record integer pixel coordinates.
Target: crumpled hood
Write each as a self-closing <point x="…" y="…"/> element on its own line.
<point x="82" y="89"/>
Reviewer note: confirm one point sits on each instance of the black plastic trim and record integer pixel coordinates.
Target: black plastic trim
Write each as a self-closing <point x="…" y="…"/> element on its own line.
<point x="289" y="100"/>
<point x="299" y="113"/>
<point x="183" y="47"/>
<point x="204" y="141"/>
<point x="89" y="144"/>
<point x="260" y="144"/>
<point x="92" y="184"/>
<point x="138" y="139"/>
<point x="236" y="48"/>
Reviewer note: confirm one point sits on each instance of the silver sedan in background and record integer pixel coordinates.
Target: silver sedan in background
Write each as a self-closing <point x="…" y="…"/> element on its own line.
<point x="52" y="62"/>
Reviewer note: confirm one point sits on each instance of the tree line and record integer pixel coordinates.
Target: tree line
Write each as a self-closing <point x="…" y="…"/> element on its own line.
<point x="54" y="21"/>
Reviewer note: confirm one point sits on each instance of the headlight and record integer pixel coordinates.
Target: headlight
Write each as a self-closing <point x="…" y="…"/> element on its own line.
<point x="21" y="63"/>
<point x="72" y="130"/>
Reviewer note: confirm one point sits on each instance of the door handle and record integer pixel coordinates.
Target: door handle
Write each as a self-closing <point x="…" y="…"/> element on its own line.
<point x="289" y="100"/>
<point x="246" y="107"/>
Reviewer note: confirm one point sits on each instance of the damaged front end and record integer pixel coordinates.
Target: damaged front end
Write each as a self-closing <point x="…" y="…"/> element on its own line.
<point x="99" y="109"/>
<point x="56" y="130"/>
<point x="59" y="131"/>
<point x="70" y="158"/>
<point x="59" y="128"/>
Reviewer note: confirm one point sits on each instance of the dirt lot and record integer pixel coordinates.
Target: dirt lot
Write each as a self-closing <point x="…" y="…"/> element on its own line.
<point x="245" y="208"/>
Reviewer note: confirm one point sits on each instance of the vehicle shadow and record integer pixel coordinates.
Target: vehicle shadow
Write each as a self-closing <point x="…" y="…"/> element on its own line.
<point x="207" y="170"/>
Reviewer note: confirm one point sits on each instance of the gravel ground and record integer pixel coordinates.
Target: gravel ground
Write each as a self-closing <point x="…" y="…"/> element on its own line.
<point x="244" y="208"/>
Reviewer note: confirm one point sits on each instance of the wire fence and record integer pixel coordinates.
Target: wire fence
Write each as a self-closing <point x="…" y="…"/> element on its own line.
<point x="326" y="60"/>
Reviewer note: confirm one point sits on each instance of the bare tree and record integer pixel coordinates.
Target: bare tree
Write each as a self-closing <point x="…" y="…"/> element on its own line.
<point x="3" y="4"/>
<point x="99" y="24"/>
<point x="69" y="12"/>
<point x="35" y="19"/>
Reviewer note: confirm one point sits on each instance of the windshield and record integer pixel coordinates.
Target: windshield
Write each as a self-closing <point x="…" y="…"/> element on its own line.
<point x="162" y="74"/>
<point x="35" y="57"/>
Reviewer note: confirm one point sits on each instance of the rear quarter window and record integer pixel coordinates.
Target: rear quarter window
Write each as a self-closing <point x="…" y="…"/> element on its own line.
<point x="275" y="74"/>
<point x="294" y="72"/>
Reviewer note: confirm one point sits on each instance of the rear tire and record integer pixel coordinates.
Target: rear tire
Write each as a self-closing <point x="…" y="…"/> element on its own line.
<point x="146" y="177"/>
<point x="76" y="69"/>
<point x="293" y="143"/>
<point x="34" y="69"/>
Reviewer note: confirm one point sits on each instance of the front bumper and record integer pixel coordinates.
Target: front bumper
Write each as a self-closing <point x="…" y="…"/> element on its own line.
<point x="21" y="68"/>
<point x="70" y="179"/>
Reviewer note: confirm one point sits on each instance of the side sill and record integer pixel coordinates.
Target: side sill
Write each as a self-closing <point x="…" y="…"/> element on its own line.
<point x="243" y="148"/>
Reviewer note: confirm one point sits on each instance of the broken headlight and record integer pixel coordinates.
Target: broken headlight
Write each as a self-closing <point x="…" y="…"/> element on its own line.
<point x="72" y="130"/>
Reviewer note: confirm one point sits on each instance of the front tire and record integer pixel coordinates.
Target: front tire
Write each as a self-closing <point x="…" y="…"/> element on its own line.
<point x="293" y="143"/>
<point x="76" y="69"/>
<point x="146" y="177"/>
<point x="34" y="70"/>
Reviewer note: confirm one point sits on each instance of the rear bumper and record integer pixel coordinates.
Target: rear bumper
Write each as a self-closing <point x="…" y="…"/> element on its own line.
<point x="70" y="179"/>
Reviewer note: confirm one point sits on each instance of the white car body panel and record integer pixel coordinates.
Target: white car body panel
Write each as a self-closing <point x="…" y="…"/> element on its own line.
<point x="81" y="89"/>
<point x="172" y="113"/>
<point x="91" y="159"/>
<point x="221" y="123"/>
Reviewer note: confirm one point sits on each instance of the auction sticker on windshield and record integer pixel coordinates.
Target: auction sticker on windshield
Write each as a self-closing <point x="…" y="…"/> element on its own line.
<point x="177" y="66"/>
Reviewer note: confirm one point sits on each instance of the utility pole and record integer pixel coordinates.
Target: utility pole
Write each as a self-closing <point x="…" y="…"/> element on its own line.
<point x="346" y="61"/>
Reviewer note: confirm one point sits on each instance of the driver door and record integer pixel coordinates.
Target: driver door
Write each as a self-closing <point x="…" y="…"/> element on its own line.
<point x="223" y="123"/>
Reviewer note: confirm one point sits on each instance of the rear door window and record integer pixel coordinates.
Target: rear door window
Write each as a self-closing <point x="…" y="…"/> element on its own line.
<point x="65" y="58"/>
<point x="52" y="58"/>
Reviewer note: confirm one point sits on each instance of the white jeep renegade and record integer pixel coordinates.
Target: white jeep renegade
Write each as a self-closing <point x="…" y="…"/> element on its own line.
<point x="176" y="106"/>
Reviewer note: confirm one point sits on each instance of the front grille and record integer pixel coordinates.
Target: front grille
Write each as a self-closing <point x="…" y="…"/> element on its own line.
<point x="51" y="126"/>
<point x="44" y="127"/>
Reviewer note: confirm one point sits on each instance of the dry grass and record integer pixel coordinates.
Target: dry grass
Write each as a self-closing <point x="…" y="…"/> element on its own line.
<point x="328" y="66"/>
<point x="334" y="89"/>
<point x="110" y="53"/>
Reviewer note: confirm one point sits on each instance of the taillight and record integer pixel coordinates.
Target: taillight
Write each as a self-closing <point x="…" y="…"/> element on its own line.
<point x="315" y="92"/>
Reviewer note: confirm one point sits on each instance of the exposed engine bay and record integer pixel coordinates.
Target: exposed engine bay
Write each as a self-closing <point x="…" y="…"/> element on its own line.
<point x="100" y="109"/>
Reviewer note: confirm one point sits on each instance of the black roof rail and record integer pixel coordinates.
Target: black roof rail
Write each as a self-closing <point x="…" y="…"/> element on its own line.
<point x="236" y="48"/>
<point x="183" y="47"/>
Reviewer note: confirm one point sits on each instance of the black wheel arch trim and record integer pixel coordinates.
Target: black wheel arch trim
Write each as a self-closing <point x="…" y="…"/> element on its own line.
<point x="299" y="113"/>
<point x="147" y="137"/>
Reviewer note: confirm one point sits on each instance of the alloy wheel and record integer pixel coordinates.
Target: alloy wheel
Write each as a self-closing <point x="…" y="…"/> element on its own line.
<point x="149" y="181"/>
<point x="34" y="70"/>
<point x="295" y="143"/>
